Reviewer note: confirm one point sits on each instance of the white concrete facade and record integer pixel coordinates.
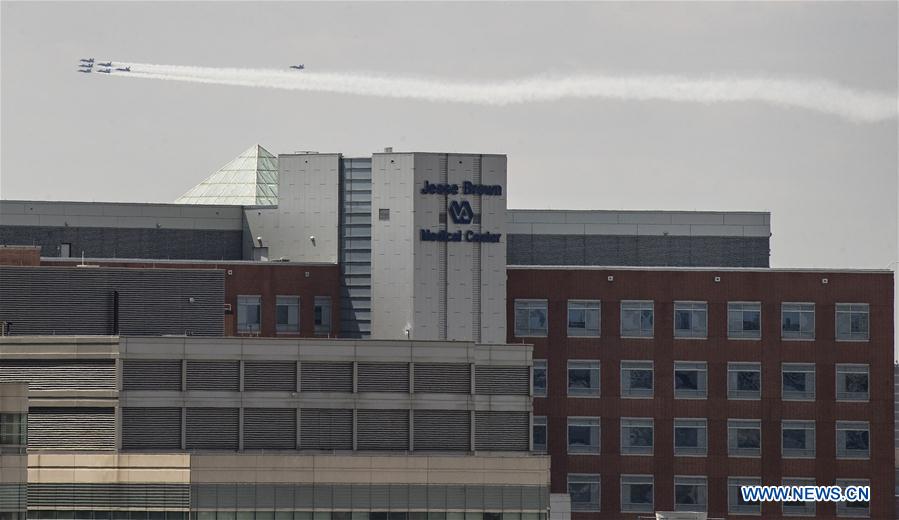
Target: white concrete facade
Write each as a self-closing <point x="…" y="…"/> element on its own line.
<point x="438" y="288"/>
<point x="305" y="225"/>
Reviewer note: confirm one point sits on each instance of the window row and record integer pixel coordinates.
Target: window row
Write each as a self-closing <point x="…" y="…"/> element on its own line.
<point x="744" y="380"/>
<point x="287" y="314"/>
<point x="744" y="319"/>
<point x="691" y="437"/>
<point x="637" y="493"/>
<point x="258" y="375"/>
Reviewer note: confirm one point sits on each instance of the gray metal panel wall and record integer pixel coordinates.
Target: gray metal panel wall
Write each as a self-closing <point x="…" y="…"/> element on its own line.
<point x="355" y="248"/>
<point x="449" y="378"/>
<point x="213" y="375"/>
<point x="497" y="380"/>
<point x="151" y="374"/>
<point x="382" y="377"/>
<point x="60" y="374"/>
<point x="326" y="429"/>
<point x="113" y="496"/>
<point x="642" y="250"/>
<point x="81" y="301"/>
<point x="108" y="242"/>
<point x="326" y="377"/>
<point x="213" y="428"/>
<point x="71" y="428"/>
<point x="502" y="431"/>
<point x="270" y="376"/>
<point x="442" y="430"/>
<point x="382" y="430"/>
<point x="151" y="428"/>
<point x="270" y="428"/>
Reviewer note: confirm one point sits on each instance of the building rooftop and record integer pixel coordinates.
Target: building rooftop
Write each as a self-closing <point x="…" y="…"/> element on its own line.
<point x="251" y="179"/>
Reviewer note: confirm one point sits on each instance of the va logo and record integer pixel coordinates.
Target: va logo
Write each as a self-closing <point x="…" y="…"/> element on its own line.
<point x="461" y="212"/>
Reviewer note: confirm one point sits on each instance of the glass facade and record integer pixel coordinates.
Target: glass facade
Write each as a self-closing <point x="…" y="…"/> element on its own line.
<point x="355" y="247"/>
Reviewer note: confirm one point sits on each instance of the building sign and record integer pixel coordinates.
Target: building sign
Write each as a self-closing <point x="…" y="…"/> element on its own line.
<point x="460" y="212"/>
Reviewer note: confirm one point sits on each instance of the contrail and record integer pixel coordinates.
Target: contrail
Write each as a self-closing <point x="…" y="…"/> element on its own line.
<point x="861" y="106"/>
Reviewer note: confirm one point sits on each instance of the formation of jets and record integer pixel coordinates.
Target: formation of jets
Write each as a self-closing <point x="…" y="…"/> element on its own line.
<point x="86" y="65"/>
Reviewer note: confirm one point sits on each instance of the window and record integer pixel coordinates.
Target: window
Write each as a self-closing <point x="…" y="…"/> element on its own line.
<point x="735" y="502"/>
<point x="583" y="435"/>
<point x="287" y="311"/>
<point x="744" y="437"/>
<point x="322" y="315"/>
<point x="798" y="381"/>
<point x="798" y="508"/>
<point x="691" y="437"/>
<point x="636" y="379"/>
<point x="691" y="320"/>
<point x="853" y="509"/>
<point x="636" y="494"/>
<point x="636" y="319"/>
<point x="539" y="381"/>
<point x="852" y="382"/>
<point x="583" y="378"/>
<point x="852" y="321"/>
<point x="853" y="440"/>
<point x="12" y="429"/>
<point x="636" y="436"/>
<point x="797" y="439"/>
<point x="744" y="320"/>
<point x="539" y="433"/>
<point x="690" y="380"/>
<point x="744" y="381"/>
<point x="583" y="318"/>
<point x="690" y="494"/>
<point x="797" y="321"/>
<point x="530" y="318"/>
<point x="249" y="313"/>
<point x="384" y="214"/>
<point x="584" y="492"/>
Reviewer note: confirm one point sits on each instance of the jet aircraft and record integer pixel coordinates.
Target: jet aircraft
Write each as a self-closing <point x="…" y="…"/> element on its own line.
<point x="123" y="69"/>
<point x="298" y="67"/>
<point x="107" y="64"/>
<point x="104" y="71"/>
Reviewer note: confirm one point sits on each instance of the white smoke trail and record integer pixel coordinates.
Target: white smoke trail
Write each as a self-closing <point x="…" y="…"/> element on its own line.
<point x="816" y="95"/>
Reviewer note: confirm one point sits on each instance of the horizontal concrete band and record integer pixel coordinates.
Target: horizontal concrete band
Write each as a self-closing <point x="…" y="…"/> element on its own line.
<point x="143" y="468"/>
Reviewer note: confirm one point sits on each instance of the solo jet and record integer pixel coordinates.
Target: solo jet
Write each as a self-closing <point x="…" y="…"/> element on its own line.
<point x="104" y="71"/>
<point x="123" y="69"/>
<point x="84" y="70"/>
<point x="107" y="64"/>
<point x="298" y="67"/>
<point x="87" y="60"/>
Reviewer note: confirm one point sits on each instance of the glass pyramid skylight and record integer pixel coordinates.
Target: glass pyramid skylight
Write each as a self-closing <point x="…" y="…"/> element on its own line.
<point x="251" y="179"/>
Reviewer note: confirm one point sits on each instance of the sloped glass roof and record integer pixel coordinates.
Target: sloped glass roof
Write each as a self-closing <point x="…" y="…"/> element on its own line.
<point x="251" y="179"/>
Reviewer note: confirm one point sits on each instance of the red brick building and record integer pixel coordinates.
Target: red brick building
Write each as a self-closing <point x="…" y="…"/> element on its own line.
<point x="796" y="396"/>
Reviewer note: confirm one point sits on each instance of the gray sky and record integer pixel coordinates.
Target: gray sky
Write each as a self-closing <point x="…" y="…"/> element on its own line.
<point x="830" y="184"/>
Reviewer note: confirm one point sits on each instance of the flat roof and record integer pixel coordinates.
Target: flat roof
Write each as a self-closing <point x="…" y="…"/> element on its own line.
<point x="698" y="269"/>
<point x="56" y="259"/>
